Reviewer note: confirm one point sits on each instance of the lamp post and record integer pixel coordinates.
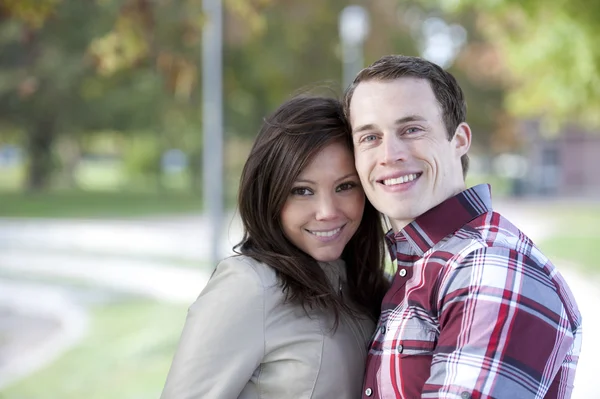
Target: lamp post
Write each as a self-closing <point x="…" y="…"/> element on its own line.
<point x="212" y="122"/>
<point x="353" y="30"/>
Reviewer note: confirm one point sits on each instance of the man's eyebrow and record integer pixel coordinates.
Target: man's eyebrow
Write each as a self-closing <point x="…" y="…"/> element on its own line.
<point x="406" y="119"/>
<point x="410" y="118"/>
<point x="363" y="128"/>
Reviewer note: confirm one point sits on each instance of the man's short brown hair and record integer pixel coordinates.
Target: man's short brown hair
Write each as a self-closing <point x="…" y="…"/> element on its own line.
<point x="444" y="86"/>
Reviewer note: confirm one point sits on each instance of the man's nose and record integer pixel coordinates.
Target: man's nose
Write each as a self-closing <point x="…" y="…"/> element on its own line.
<point x="394" y="149"/>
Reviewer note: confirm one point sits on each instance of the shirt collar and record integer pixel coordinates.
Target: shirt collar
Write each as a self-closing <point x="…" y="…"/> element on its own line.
<point x="442" y="220"/>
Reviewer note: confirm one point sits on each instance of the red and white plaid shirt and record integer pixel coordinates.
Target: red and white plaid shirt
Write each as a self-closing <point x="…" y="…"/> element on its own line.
<point x="475" y="311"/>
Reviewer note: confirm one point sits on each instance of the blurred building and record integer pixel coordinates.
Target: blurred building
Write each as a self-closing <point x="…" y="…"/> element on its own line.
<point x="565" y="164"/>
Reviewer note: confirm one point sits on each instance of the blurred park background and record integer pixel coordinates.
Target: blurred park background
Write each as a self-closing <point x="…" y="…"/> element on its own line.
<point x="105" y="238"/>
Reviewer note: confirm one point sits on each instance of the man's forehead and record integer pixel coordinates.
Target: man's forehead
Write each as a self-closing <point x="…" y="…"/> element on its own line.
<point x="378" y="87"/>
<point x="401" y="98"/>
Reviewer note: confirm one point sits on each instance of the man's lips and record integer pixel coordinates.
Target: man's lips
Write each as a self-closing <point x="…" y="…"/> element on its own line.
<point x="399" y="179"/>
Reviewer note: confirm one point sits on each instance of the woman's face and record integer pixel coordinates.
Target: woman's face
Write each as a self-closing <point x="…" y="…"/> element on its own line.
<point x="325" y="205"/>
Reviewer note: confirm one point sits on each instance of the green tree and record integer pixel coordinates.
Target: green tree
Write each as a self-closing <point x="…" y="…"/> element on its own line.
<point x="399" y="29"/>
<point x="41" y="69"/>
<point x="70" y="67"/>
<point x="551" y="54"/>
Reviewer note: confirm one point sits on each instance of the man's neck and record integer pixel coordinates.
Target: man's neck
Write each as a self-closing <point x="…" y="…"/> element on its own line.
<point x="398" y="225"/>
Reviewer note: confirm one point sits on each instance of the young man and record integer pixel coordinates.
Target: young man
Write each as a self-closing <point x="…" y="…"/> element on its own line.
<point x="475" y="309"/>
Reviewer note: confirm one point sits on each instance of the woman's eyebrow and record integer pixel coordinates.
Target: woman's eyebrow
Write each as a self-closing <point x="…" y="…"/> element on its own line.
<point x="301" y="180"/>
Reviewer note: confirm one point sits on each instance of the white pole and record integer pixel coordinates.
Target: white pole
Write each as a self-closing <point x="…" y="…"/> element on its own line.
<point x="353" y="30"/>
<point x="212" y="122"/>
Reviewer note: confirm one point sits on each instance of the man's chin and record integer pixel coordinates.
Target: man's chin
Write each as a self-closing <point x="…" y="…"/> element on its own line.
<point x="399" y="219"/>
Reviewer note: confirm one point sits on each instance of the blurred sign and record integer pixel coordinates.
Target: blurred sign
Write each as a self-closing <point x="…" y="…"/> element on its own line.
<point x="10" y="155"/>
<point x="174" y="161"/>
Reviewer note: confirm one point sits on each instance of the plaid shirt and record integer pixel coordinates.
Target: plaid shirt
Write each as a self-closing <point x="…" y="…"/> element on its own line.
<point x="475" y="311"/>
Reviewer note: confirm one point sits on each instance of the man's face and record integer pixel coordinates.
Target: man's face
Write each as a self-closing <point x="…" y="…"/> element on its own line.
<point x="404" y="159"/>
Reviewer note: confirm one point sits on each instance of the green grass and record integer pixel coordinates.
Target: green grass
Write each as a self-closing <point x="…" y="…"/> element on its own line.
<point x="582" y="251"/>
<point x="500" y="186"/>
<point x="126" y="355"/>
<point x="11" y="178"/>
<point x="96" y="204"/>
<point x="577" y="235"/>
<point x="95" y="175"/>
<point x="99" y="175"/>
<point x="104" y="190"/>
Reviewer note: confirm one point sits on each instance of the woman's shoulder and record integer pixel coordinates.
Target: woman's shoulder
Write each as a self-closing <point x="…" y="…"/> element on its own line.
<point x="236" y="278"/>
<point x="248" y="266"/>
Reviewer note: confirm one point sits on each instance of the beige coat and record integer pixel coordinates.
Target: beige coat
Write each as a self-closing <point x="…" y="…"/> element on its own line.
<point x="241" y="341"/>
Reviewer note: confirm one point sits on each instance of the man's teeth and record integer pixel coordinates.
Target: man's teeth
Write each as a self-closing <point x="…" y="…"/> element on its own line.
<point x="400" y="180"/>
<point x="330" y="233"/>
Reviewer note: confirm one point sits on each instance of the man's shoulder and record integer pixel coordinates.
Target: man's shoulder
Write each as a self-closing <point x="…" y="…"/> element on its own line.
<point x="489" y="237"/>
<point x="488" y="230"/>
<point x="489" y="244"/>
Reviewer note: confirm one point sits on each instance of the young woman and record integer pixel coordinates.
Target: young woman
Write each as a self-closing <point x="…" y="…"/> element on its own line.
<point x="291" y="316"/>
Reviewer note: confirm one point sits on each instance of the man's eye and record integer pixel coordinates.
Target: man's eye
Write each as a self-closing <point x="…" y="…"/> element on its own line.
<point x="301" y="191"/>
<point x="412" y="130"/>
<point x="369" y="137"/>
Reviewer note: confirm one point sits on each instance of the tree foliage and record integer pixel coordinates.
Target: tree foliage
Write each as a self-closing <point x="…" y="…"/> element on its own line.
<point x="72" y="67"/>
<point x="550" y="52"/>
<point x="41" y="70"/>
<point x="69" y="68"/>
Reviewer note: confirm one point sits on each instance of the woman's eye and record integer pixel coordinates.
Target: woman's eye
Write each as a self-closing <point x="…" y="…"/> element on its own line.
<point x="346" y="186"/>
<point x="301" y="191"/>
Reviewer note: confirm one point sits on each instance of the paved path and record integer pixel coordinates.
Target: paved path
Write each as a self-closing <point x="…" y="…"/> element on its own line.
<point x="142" y="277"/>
<point x="182" y="237"/>
<point x="40" y="322"/>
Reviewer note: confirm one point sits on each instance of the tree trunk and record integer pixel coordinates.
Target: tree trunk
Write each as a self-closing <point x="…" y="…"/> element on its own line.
<point x="69" y="150"/>
<point x="39" y="149"/>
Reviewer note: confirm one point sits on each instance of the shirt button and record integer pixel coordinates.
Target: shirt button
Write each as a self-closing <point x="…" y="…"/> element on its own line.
<point x="368" y="392"/>
<point x="402" y="272"/>
<point x="382" y="329"/>
<point x="465" y="395"/>
<point x="400" y="348"/>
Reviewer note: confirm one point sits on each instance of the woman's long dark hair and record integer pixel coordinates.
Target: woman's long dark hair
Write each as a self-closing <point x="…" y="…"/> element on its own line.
<point x="287" y="142"/>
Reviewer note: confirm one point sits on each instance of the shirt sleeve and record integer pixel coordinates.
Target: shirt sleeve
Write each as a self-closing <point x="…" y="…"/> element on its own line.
<point x="503" y="329"/>
<point x="222" y="342"/>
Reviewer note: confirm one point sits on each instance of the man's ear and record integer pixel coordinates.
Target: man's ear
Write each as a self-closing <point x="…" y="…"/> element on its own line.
<point x="462" y="139"/>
